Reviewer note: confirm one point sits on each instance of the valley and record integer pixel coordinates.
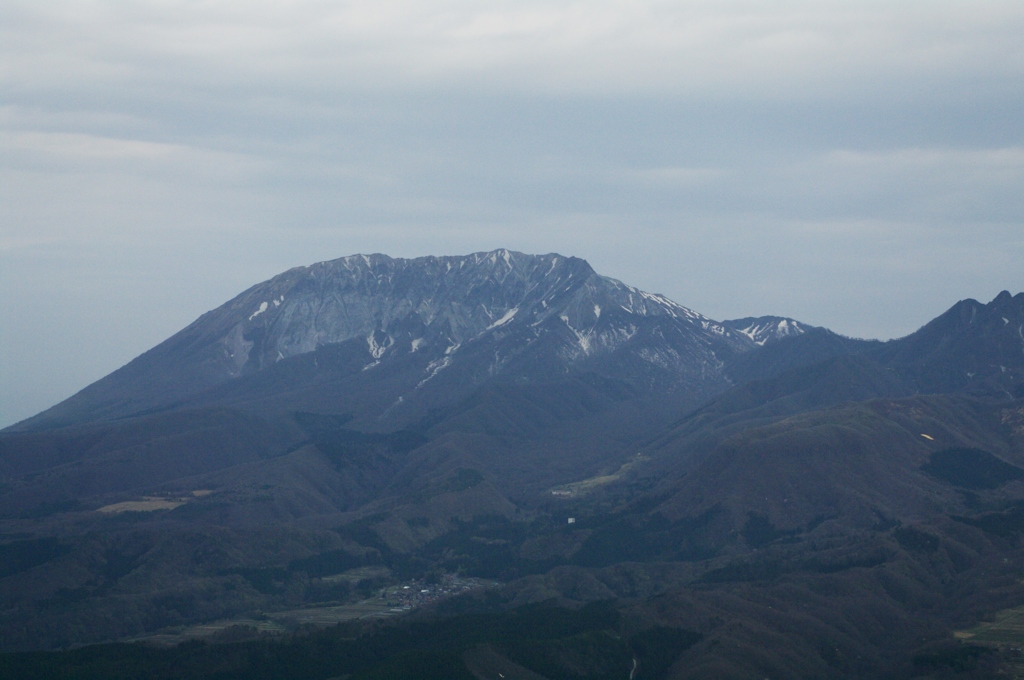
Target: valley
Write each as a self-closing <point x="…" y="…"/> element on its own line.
<point x="393" y="600"/>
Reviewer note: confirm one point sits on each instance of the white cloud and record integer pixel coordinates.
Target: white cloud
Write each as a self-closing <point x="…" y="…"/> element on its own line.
<point x="715" y="48"/>
<point x="69" y="149"/>
<point x="86" y="148"/>
<point x="1001" y="160"/>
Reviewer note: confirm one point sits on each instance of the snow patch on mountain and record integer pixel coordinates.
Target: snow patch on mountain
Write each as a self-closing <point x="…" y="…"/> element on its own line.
<point x="433" y="368"/>
<point x="506" y="317"/>
<point x="262" y="308"/>
<point x="377" y="348"/>
<point x="766" y="329"/>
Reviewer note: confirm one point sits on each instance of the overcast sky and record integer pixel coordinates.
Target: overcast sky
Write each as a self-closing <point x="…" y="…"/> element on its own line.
<point x="857" y="165"/>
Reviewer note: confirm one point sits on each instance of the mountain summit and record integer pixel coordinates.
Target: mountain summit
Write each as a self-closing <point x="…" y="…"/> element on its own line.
<point x="440" y="303"/>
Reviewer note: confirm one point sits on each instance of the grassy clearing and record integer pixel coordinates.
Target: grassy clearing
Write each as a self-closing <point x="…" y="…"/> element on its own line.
<point x="390" y="601"/>
<point x="586" y="486"/>
<point x="1006" y="630"/>
<point x="153" y="503"/>
<point x="145" y="505"/>
<point x="358" y="574"/>
<point x="277" y="622"/>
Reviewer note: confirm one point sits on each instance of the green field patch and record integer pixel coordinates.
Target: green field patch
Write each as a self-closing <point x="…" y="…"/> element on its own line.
<point x="1006" y="629"/>
<point x="585" y="486"/>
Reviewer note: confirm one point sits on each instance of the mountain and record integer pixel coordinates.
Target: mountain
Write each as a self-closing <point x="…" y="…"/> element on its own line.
<point x="436" y="326"/>
<point x="766" y="330"/>
<point x="749" y="498"/>
<point x="973" y="346"/>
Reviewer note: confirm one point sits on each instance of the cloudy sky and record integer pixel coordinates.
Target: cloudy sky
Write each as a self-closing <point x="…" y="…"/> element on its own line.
<point x="858" y="165"/>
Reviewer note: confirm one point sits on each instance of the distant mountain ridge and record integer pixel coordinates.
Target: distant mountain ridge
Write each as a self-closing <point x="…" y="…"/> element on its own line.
<point x="501" y="313"/>
<point x="440" y="326"/>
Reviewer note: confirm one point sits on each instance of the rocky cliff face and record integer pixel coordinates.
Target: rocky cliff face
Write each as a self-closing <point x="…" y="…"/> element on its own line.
<point x="445" y="303"/>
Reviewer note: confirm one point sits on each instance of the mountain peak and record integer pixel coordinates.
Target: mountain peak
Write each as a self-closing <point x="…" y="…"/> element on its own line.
<point x="445" y="299"/>
<point x="972" y="346"/>
<point x="764" y="330"/>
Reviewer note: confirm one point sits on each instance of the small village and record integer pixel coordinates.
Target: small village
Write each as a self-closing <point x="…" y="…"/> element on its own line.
<point x="418" y="592"/>
<point x="388" y="602"/>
